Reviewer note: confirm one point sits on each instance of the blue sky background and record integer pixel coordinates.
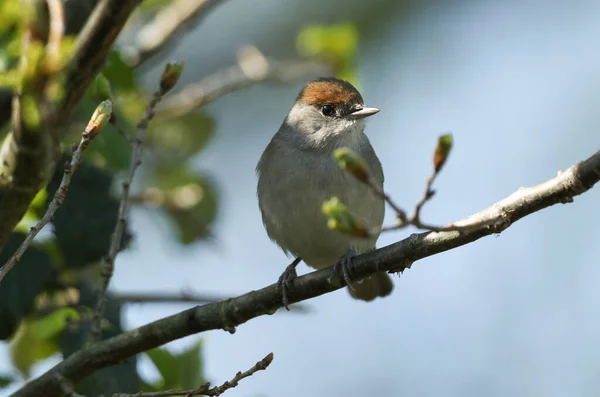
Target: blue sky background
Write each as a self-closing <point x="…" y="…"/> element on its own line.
<point x="518" y="85"/>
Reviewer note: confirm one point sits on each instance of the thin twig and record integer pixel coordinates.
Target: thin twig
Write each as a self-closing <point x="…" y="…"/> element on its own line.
<point x="252" y="67"/>
<point x="400" y="213"/>
<point x="415" y="218"/>
<point x="166" y="25"/>
<point x="93" y="128"/>
<point x="121" y="129"/>
<point x="427" y="195"/>
<point x="396" y="257"/>
<point x="108" y="265"/>
<point x="439" y="159"/>
<point x="206" y="390"/>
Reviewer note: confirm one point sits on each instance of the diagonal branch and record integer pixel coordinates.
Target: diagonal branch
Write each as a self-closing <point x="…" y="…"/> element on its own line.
<point x="167" y="24"/>
<point x="396" y="257"/>
<point x="183" y="297"/>
<point x="93" y="45"/>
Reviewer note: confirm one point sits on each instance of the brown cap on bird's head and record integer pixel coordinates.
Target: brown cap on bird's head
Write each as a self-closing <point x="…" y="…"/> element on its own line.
<point x="335" y="98"/>
<point x="329" y="90"/>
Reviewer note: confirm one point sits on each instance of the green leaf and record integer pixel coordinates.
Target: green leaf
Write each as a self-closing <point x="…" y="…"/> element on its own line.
<point x="166" y="365"/>
<point x="37" y="338"/>
<point x="50" y="326"/>
<point x="120" y="75"/>
<point x="337" y="43"/>
<point x="191" y="369"/>
<point x="189" y="199"/>
<point x="22" y="284"/>
<point x="84" y="224"/>
<point x="180" y="137"/>
<point x="34" y="212"/>
<point x="179" y="371"/>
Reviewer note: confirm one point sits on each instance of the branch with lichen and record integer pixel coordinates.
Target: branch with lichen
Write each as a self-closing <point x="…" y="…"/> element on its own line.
<point x="168" y="79"/>
<point x="52" y="79"/>
<point x="396" y="257"/>
<point x="96" y="124"/>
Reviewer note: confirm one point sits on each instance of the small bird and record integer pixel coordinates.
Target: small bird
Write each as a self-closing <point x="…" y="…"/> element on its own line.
<point x="297" y="173"/>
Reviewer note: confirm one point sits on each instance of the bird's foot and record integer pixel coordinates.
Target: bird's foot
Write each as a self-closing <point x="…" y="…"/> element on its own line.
<point x="285" y="281"/>
<point x="343" y="267"/>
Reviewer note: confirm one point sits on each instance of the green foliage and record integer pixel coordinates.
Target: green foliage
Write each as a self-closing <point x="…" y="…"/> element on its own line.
<point x="336" y="43"/>
<point x="11" y="16"/>
<point x="118" y="73"/>
<point x="37" y="338"/>
<point x="19" y="288"/>
<point x="100" y="89"/>
<point x="182" y="371"/>
<point x="181" y="137"/>
<point x="83" y="225"/>
<point x="34" y="212"/>
<point x="31" y="112"/>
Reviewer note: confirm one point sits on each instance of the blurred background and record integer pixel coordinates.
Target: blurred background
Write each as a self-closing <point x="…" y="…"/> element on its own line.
<point x="518" y="85"/>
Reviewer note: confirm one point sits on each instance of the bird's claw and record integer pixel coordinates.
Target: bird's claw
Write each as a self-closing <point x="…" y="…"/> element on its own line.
<point x="343" y="267"/>
<point x="285" y="281"/>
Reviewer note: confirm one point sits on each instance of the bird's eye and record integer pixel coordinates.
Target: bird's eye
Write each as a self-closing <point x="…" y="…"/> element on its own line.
<point x="327" y="110"/>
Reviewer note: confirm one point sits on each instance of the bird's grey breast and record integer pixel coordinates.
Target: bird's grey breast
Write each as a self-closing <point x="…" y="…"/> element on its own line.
<point x="294" y="183"/>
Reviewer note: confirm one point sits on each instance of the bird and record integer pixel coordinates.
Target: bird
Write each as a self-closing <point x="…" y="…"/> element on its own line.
<point x="297" y="173"/>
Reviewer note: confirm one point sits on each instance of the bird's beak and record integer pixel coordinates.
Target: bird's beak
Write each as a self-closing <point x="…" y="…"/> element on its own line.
<point x="363" y="112"/>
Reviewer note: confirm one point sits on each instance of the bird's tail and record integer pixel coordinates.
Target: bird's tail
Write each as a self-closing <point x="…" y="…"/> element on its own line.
<point x="379" y="284"/>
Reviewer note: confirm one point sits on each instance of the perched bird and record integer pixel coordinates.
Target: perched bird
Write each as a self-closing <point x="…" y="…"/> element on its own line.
<point x="297" y="173"/>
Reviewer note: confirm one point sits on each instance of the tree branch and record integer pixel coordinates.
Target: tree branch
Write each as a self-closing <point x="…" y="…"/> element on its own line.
<point x="166" y="25"/>
<point x="184" y="297"/>
<point x="168" y="80"/>
<point x="393" y="258"/>
<point x="93" y="45"/>
<point x="29" y="152"/>
<point x="97" y="122"/>
<point x="252" y="67"/>
<point x="28" y="156"/>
